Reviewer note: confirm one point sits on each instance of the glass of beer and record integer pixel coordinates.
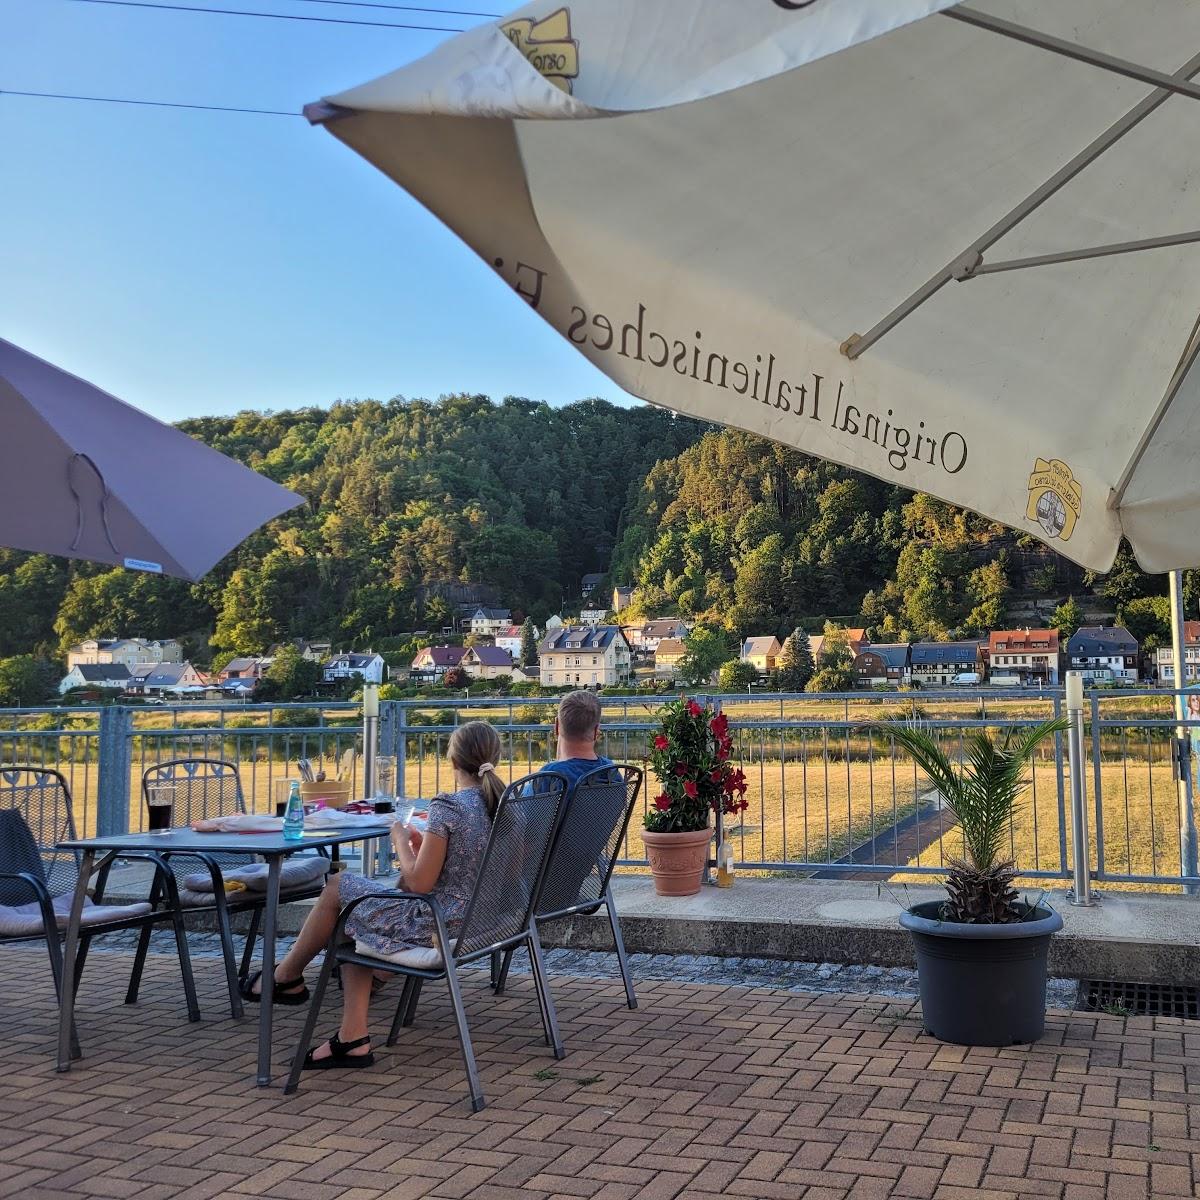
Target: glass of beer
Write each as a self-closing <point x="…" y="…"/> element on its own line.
<point x="385" y="783"/>
<point x="160" y="800"/>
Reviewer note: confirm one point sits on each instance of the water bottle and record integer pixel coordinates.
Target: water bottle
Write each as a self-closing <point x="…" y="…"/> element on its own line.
<point x="293" y="815"/>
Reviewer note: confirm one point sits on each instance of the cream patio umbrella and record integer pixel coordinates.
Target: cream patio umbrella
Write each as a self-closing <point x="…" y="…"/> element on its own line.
<point x="952" y="246"/>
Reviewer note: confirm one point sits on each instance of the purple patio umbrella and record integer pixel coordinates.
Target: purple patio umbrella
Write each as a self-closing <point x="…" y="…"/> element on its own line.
<point x="84" y="475"/>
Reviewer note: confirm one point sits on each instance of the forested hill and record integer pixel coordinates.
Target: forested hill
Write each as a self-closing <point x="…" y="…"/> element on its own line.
<point x="410" y="501"/>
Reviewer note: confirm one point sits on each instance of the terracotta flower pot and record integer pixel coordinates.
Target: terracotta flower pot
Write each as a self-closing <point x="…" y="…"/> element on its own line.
<point x="677" y="860"/>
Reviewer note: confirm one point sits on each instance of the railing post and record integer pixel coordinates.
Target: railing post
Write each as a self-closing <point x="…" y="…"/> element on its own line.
<point x="1081" y="891"/>
<point x="1097" y="786"/>
<point x="115" y="762"/>
<point x="370" y="710"/>
<point x="1187" y="810"/>
<point x="1060" y="763"/>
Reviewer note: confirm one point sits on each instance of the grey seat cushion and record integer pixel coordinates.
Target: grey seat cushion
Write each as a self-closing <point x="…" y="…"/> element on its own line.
<point x="25" y="920"/>
<point x="294" y="873"/>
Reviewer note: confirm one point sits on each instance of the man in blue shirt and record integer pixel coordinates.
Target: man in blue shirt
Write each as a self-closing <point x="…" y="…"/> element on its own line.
<point x="582" y="849"/>
<point x="577" y="734"/>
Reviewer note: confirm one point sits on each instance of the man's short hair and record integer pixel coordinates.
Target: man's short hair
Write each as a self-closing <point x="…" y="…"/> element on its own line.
<point x="578" y="714"/>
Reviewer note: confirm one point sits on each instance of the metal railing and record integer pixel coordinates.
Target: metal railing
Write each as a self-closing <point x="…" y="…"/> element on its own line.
<point x="830" y="794"/>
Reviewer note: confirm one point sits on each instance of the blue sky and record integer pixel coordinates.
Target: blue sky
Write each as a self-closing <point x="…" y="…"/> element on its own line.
<point x="196" y="263"/>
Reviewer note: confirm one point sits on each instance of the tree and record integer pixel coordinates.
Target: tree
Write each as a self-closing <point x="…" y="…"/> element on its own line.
<point x="529" y="646"/>
<point x="1067" y="618"/>
<point x="1125" y="580"/>
<point x="1148" y="618"/>
<point x="794" y="667"/>
<point x="456" y="677"/>
<point x="705" y="649"/>
<point x="24" y="680"/>
<point x="737" y="675"/>
<point x="293" y="675"/>
<point x="832" y="679"/>
<point x="836" y="673"/>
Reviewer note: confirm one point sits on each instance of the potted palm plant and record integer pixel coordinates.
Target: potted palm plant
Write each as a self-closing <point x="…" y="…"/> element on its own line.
<point x="690" y="756"/>
<point x="981" y="952"/>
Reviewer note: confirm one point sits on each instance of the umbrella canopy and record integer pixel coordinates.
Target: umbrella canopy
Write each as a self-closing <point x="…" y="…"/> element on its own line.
<point x="953" y="247"/>
<point x="86" y="476"/>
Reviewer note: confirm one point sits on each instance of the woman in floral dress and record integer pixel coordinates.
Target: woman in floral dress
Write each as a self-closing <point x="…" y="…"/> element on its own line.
<point x="442" y="863"/>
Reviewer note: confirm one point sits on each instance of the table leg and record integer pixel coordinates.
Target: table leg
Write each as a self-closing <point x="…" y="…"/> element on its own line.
<point x="66" y="1007"/>
<point x="270" y="913"/>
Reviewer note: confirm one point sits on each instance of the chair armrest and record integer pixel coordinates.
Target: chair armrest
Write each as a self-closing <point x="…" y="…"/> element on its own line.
<point x="35" y="884"/>
<point x="40" y="894"/>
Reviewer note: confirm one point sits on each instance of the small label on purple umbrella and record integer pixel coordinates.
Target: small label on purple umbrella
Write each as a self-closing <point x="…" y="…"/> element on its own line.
<point x="140" y="564"/>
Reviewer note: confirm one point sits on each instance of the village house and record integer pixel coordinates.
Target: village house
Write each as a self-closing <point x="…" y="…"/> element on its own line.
<point x="368" y="666"/>
<point x="153" y="679"/>
<point x="761" y="653"/>
<point x="1103" y="654"/>
<point x="108" y="676"/>
<point x="486" y="662"/>
<point x="1024" y="656"/>
<point x="593" y="616"/>
<point x="622" y="598"/>
<point x="882" y="663"/>
<point x="510" y="639"/>
<point x="489" y="621"/>
<point x="130" y="652"/>
<point x="936" y="664"/>
<point x="586" y="656"/>
<point x="432" y="662"/>
<point x="668" y="656"/>
<point x="857" y="640"/>
<point x="249" y="668"/>
<point x="653" y="632"/>
<point x="1164" y="657"/>
<point x="589" y="583"/>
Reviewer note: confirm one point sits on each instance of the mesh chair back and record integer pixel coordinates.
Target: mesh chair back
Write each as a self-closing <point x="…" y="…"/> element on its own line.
<point x="203" y="787"/>
<point x="513" y="863"/>
<point x="19" y="853"/>
<point x="43" y="799"/>
<point x="589" y="839"/>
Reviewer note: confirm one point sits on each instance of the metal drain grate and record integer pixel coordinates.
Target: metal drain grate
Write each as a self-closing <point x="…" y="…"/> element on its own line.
<point x="1139" y="999"/>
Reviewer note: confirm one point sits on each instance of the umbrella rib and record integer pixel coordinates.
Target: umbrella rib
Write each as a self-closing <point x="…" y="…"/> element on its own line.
<point x="968" y="260"/>
<point x="1057" y="45"/>
<point x="1186" y="362"/>
<point x="1087" y="252"/>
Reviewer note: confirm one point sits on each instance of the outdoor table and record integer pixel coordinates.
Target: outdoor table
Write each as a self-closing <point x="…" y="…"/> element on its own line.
<point x="271" y="846"/>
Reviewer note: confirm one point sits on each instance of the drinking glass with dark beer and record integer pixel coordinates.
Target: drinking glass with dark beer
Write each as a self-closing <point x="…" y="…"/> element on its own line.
<point x="160" y="800"/>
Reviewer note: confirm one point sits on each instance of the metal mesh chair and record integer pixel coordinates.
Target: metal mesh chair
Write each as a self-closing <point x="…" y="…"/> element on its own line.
<point x="36" y="813"/>
<point x="497" y="918"/>
<point x="585" y="851"/>
<point x="205" y="788"/>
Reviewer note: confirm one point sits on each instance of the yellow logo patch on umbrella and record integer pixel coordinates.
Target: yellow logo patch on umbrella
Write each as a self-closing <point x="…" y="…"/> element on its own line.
<point x="548" y="46"/>
<point x="1055" y="498"/>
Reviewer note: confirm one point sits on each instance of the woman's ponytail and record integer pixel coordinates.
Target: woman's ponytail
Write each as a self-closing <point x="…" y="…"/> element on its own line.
<point x="475" y="750"/>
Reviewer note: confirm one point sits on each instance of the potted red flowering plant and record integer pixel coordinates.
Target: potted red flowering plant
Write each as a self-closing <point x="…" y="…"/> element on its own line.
<point x="690" y="756"/>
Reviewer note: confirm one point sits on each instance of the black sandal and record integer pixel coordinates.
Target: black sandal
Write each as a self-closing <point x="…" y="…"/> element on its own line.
<point x="340" y="1056"/>
<point x="285" y="993"/>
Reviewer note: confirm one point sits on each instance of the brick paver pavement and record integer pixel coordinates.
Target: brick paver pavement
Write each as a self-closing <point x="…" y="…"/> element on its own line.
<point x="705" y="1091"/>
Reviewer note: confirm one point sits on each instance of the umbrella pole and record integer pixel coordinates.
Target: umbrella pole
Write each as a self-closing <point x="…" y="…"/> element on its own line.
<point x="1187" y="811"/>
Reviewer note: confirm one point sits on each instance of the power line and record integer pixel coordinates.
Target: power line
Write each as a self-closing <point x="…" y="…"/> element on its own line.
<point x="241" y="12"/>
<point x="447" y="12"/>
<point x="266" y="112"/>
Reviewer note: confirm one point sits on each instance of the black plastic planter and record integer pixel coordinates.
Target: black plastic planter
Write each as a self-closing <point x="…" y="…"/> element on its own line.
<point x="981" y="985"/>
